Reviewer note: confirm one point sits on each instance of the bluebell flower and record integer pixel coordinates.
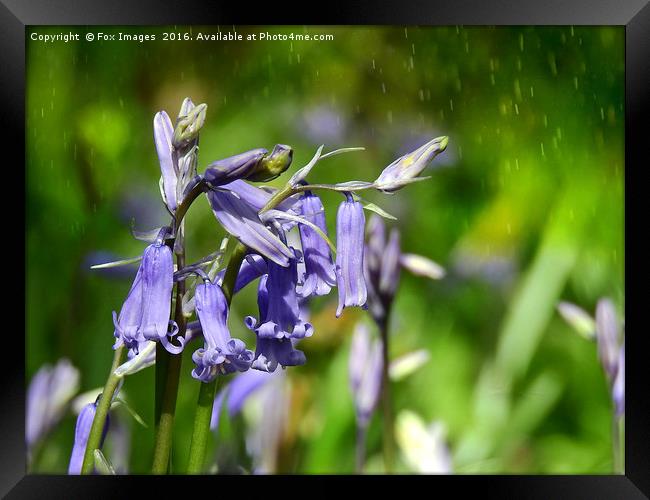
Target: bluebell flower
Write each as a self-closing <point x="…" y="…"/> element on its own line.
<point x="383" y="261"/>
<point x="241" y="220"/>
<point x="234" y="167"/>
<point x="221" y="353"/>
<point x="190" y="121"/>
<point x="81" y="434"/>
<point x="273" y="164"/>
<point x="275" y="346"/>
<point x="319" y="276"/>
<point x="407" y="168"/>
<point x="279" y="307"/>
<point x="241" y="387"/>
<point x="256" y="165"/>
<point x="146" y="310"/>
<point x="251" y="268"/>
<point x="607" y="337"/>
<point x="365" y="369"/>
<point x="48" y="396"/>
<point x="618" y="388"/>
<point x="350" y="223"/>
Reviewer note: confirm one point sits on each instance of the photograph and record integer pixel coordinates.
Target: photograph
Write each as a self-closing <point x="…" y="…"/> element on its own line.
<point x="337" y="249"/>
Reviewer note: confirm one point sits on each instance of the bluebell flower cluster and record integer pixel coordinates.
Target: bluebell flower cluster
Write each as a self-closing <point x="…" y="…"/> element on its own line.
<point x="288" y="276"/>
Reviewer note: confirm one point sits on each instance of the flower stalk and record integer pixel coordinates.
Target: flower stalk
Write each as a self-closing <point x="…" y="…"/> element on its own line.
<point x="207" y="391"/>
<point x="103" y="406"/>
<point x="167" y="379"/>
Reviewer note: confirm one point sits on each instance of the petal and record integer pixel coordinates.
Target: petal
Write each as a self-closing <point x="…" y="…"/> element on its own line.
<point x="351" y="283"/>
<point x="241" y="220"/>
<point x="162" y="133"/>
<point x="157" y="283"/>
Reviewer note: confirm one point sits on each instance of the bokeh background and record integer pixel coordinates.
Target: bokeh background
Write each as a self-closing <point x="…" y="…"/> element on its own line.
<point x="525" y="208"/>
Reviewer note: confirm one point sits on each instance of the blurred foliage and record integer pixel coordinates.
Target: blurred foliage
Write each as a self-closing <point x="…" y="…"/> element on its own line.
<point x="523" y="209"/>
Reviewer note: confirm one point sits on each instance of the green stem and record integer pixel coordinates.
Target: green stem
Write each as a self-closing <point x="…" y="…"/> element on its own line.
<point x="387" y="406"/>
<point x="361" y="448"/>
<point x="617" y="443"/>
<point x="201" y="431"/>
<point x="167" y="384"/>
<point x="97" y="429"/>
<point x="207" y="391"/>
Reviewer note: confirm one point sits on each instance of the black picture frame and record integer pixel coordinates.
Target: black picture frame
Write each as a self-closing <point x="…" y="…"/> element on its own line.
<point x="16" y="15"/>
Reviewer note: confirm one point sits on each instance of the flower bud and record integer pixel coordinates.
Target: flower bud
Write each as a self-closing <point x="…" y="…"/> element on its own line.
<point x="272" y="165"/>
<point x="189" y="125"/>
<point x="407" y="168"/>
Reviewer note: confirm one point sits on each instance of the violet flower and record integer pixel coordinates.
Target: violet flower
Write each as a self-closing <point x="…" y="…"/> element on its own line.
<point x="272" y="165"/>
<point x="279" y="307"/>
<point x="365" y="368"/>
<point x="48" y="396"/>
<point x="145" y="312"/>
<point x="81" y="434"/>
<point x="268" y="428"/>
<point x="234" y="167"/>
<point x="221" y="353"/>
<point x="319" y="276"/>
<point x="273" y="347"/>
<point x="618" y="388"/>
<point x="190" y="121"/>
<point x="607" y="336"/>
<point x="241" y="387"/>
<point x="407" y="168"/>
<point x="252" y="268"/>
<point x="383" y="260"/>
<point x="242" y="221"/>
<point x="350" y="222"/>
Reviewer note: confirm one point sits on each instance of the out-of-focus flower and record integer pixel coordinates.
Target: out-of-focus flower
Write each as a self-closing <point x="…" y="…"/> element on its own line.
<point x="365" y="369"/>
<point x="423" y="447"/>
<point x="407" y="168"/>
<point x="145" y="312"/>
<point x="383" y="260"/>
<point x="267" y="415"/>
<point x="408" y="363"/>
<point x="322" y="124"/>
<point x="578" y="319"/>
<point x="221" y="354"/>
<point x="350" y="224"/>
<point x="422" y="266"/>
<point x="319" y="276"/>
<point x="81" y="434"/>
<point x="607" y="335"/>
<point x="242" y="386"/>
<point x="48" y="396"/>
<point x="618" y="389"/>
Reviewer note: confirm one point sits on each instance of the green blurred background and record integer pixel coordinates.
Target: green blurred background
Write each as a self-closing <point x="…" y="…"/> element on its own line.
<point x="525" y="208"/>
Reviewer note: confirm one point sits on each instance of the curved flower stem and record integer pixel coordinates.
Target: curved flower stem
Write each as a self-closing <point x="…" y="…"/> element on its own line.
<point x="387" y="406"/>
<point x="201" y="430"/>
<point x="167" y="378"/>
<point x="103" y="406"/>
